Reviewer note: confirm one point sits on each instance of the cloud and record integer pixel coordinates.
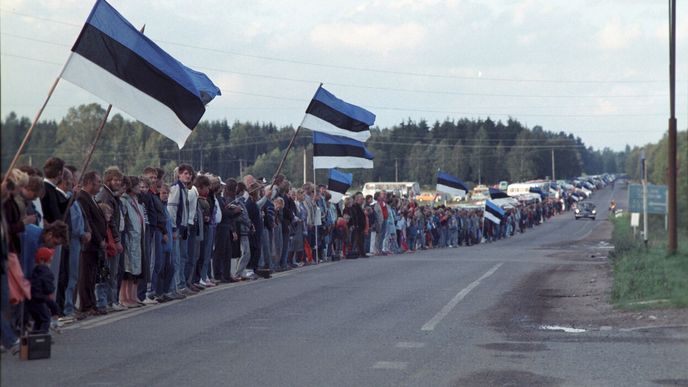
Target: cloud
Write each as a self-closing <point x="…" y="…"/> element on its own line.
<point x="616" y="36"/>
<point x="530" y="9"/>
<point x="379" y="38"/>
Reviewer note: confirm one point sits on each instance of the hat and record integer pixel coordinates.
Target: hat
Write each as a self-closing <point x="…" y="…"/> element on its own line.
<point x="44" y="254"/>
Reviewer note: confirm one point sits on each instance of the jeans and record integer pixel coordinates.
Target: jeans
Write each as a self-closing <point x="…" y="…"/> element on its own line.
<point x="204" y="253"/>
<point x="380" y="237"/>
<point x="107" y="292"/>
<point x="70" y="292"/>
<point x="182" y="255"/>
<point x="285" y="248"/>
<point x="8" y="336"/>
<point x="266" y="250"/>
<point x="206" y="271"/>
<point x="176" y="275"/>
<point x="245" y="255"/>
<point x="158" y="260"/>
<point x="193" y="251"/>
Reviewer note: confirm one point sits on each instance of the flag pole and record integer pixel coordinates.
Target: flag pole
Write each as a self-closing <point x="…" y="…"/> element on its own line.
<point x="315" y="187"/>
<point x="291" y="143"/>
<point x="27" y="136"/>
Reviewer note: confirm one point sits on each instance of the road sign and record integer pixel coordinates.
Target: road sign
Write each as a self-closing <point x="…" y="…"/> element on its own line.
<point x="656" y="198"/>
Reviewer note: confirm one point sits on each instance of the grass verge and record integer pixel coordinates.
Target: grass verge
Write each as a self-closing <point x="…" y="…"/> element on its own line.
<point x="648" y="277"/>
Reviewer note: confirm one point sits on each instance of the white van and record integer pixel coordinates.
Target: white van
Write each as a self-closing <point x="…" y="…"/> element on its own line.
<point x="522" y="188"/>
<point x="405" y="188"/>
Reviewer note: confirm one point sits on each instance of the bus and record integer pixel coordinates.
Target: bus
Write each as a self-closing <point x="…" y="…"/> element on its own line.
<point x="405" y="188"/>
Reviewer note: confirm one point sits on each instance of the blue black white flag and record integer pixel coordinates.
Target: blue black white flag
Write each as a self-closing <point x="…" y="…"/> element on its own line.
<point x="339" y="152"/>
<point x="117" y="63"/>
<point x="451" y="185"/>
<point x="338" y="183"/>
<point x="329" y="114"/>
<point x="493" y="212"/>
<point x="497" y="193"/>
<point x="538" y="191"/>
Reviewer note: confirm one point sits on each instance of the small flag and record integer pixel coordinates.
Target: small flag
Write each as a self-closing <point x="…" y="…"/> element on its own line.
<point x="338" y="183"/>
<point x="451" y="185"/>
<point x="538" y="191"/>
<point x="329" y="114"/>
<point x="117" y="63"/>
<point x="339" y="152"/>
<point x="493" y="212"/>
<point x="497" y="193"/>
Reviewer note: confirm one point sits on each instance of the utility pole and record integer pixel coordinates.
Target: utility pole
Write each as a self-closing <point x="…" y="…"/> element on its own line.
<point x="396" y="170"/>
<point x="672" y="205"/>
<point x="643" y="167"/>
<point x="304" y="166"/>
<point x="554" y="177"/>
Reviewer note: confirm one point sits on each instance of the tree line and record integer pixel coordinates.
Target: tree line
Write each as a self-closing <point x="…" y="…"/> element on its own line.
<point x="480" y="150"/>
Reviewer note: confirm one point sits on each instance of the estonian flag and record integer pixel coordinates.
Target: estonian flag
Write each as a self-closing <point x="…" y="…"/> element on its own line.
<point x="497" y="193"/>
<point x="116" y="62"/>
<point x="538" y="191"/>
<point x="339" y="152"/>
<point x="328" y="114"/>
<point x="493" y="212"/>
<point x="451" y="185"/>
<point x="338" y="183"/>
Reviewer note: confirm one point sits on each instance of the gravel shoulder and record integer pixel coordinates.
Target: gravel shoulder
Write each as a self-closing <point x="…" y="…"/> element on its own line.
<point x="577" y="292"/>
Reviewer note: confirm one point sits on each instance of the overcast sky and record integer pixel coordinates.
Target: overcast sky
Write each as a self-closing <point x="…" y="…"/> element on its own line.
<point x="598" y="69"/>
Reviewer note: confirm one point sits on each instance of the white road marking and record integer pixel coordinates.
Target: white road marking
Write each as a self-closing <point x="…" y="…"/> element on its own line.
<point x="390" y="365"/>
<point x="430" y="325"/>
<point x="409" y="344"/>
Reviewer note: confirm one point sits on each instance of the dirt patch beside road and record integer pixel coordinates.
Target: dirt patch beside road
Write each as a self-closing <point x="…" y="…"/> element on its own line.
<point x="577" y="295"/>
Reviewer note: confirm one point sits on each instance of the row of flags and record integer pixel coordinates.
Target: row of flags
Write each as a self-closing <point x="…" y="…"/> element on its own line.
<point x="454" y="186"/>
<point x="118" y="63"/>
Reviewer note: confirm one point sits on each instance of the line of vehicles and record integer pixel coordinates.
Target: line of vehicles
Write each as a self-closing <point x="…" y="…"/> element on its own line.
<point x="571" y="192"/>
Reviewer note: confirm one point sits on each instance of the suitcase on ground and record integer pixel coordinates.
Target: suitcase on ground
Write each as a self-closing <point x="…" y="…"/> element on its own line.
<point x="34" y="347"/>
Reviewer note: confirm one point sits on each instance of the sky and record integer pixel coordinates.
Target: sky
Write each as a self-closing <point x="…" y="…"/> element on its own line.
<point x="598" y="69"/>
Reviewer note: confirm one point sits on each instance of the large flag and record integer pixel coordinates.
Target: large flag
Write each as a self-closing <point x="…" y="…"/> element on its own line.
<point x="338" y="183"/>
<point x="329" y="114"/>
<point x="493" y="212"/>
<point x="339" y="152"/>
<point x="116" y="62"/>
<point x="451" y="185"/>
<point x="497" y="193"/>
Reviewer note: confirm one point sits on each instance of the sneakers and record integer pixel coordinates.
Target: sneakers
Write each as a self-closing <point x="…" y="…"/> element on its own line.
<point x="118" y="307"/>
<point x="66" y="319"/>
<point x="149" y="301"/>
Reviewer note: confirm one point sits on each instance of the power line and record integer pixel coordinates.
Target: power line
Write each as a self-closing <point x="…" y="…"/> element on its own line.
<point x="366" y="69"/>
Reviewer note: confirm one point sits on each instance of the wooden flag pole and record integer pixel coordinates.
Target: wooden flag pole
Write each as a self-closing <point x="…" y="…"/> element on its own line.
<point x="27" y="136"/>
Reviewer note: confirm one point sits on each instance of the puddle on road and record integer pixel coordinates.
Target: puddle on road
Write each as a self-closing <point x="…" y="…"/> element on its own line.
<point x="560" y="328"/>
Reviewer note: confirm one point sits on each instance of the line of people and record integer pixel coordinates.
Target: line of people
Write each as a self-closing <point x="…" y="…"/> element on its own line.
<point x="114" y="242"/>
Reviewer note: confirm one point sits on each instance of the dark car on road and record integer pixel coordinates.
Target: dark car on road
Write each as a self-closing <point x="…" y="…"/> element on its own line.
<point x="585" y="210"/>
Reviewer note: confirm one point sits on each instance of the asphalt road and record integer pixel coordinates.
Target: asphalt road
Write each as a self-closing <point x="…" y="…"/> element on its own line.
<point x="423" y="319"/>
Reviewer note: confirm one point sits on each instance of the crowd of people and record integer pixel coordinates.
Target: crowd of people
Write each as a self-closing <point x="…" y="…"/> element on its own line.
<point x="101" y="243"/>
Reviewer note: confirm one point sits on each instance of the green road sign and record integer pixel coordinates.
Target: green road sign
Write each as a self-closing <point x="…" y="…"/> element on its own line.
<point x="656" y="198"/>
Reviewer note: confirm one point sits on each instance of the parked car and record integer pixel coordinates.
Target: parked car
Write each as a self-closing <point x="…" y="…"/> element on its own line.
<point x="585" y="210"/>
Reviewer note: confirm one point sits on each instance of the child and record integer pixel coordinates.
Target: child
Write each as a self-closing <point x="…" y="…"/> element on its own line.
<point x="42" y="304"/>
